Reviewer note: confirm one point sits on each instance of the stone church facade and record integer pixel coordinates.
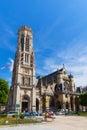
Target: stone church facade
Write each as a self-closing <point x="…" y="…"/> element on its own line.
<point x="54" y="91"/>
<point x="57" y="91"/>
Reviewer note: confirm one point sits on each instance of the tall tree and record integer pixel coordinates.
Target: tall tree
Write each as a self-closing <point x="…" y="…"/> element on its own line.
<point x="83" y="99"/>
<point x="4" y="90"/>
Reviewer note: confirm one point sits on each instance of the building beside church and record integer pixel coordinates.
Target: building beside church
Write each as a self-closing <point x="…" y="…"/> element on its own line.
<point x="54" y="91"/>
<point x="81" y="89"/>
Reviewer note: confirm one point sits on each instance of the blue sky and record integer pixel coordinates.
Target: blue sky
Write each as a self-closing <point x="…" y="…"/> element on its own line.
<point x="59" y="35"/>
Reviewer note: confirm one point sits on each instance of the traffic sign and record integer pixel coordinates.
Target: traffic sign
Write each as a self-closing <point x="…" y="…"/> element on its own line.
<point x="17" y="105"/>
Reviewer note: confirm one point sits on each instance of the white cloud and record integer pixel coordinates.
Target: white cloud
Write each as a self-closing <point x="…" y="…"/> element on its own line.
<point x="7" y="44"/>
<point x="40" y="72"/>
<point x="50" y="65"/>
<point x="9" y="31"/>
<point x="12" y="64"/>
<point x="74" y="58"/>
<point x="7" y="37"/>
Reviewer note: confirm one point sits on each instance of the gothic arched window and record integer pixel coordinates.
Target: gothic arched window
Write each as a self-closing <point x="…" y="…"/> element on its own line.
<point x="22" y="38"/>
<point x="22" y="42"/>
<point x="29" y="81"/>
<point x="26" y="58"/>
<point x="27" y="44"/>
<point x="31" y="61"/>
<point x="22" y="80"/>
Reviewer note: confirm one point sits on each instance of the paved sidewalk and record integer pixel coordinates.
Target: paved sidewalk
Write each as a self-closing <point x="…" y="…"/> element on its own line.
<point x="60" y="123"/>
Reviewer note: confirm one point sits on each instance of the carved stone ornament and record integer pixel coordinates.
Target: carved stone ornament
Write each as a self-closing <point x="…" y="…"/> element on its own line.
<point x="25" y="91"/>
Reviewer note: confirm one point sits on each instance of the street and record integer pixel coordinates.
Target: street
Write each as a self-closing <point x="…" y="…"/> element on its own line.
<point x="60" y="123"/>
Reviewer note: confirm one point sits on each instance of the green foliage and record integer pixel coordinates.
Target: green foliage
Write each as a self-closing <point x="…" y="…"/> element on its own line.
<point x="79" y="113"/>
<point x="12" y="121"/>
<point x="4" y="90"/>
<point x="83" y="114"/>
<point x="21" y="116"/>
<point x="3" y="115"/>
<point x="83" y="99"/>
<point x="15" y="116"/>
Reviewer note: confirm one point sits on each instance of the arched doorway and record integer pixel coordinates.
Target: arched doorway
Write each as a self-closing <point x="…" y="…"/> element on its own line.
<point x="25" y="103"/>
<point x="76" y="103"/>
<point x="67" y="105"/>
<point x="59" y="105"/>
<point x="51" y="103"/>
<point x="43" y="103"/>
<point x="37" y="105"/>
<point x="71" y="102"/>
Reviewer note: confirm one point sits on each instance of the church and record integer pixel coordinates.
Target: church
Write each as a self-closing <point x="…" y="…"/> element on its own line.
<point x="51" y="92"/>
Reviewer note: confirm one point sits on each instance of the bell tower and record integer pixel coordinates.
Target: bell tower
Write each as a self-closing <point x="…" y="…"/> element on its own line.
<point x="23" y="90"/>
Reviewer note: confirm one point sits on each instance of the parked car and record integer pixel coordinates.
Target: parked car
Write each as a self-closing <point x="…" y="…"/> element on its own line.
<point x="11" y="113"/>
<point x="66" y="111"/>
<point x="27" y="114"/>
<point x="43" y="113"/>
<point x="35" y="113"/>
<point x="60" y="112"/>
<point x="51" y="112"/>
